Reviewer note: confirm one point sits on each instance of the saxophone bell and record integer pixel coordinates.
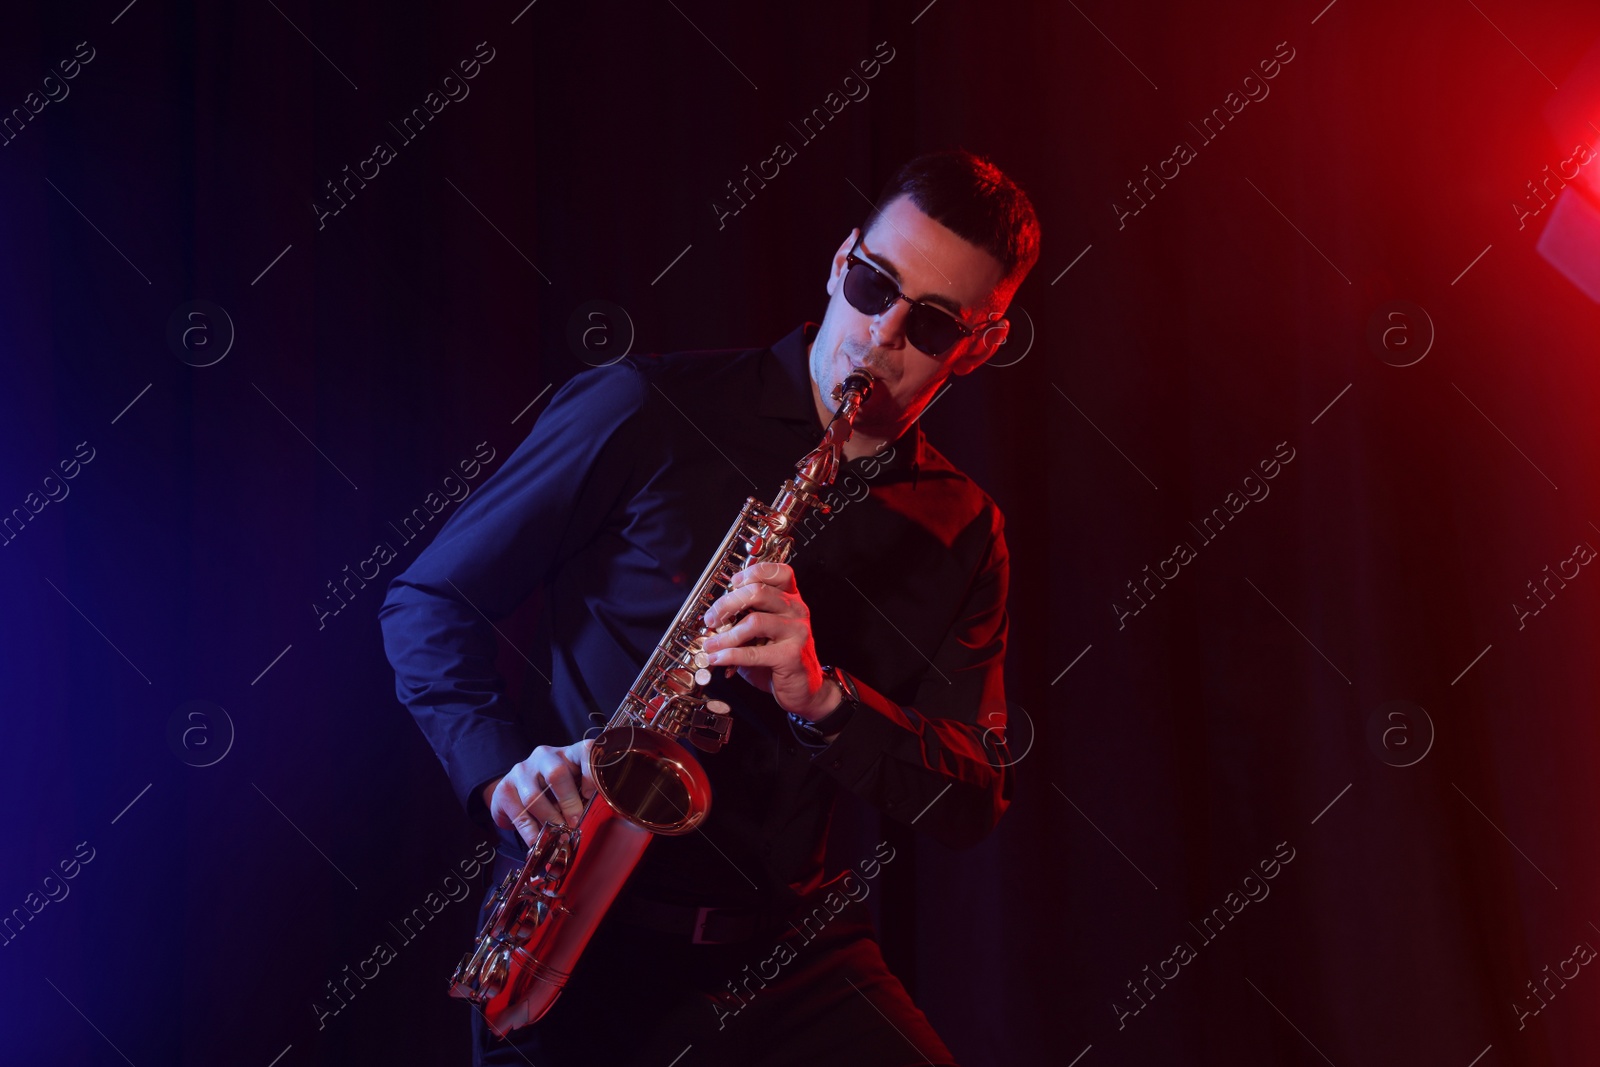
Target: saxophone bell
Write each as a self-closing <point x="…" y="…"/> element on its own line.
<point x="650" y="780"/>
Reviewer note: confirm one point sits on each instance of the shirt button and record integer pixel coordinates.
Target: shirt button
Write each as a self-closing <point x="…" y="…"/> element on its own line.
<point x="836" y="762"/>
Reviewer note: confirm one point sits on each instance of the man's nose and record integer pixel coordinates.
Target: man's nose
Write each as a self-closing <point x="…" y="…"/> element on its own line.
<point x="888" y="326"/>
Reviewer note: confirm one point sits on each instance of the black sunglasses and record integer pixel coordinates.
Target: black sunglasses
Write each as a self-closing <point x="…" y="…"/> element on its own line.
<point x="929" y="327"/>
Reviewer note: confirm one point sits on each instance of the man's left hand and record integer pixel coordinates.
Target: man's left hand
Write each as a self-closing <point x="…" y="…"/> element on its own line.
<point x="785" y="665"/>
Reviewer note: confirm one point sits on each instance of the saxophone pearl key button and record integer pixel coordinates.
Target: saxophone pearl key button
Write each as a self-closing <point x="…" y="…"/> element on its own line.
<point x="702" y="659"/>
<point x="702" y="677"/>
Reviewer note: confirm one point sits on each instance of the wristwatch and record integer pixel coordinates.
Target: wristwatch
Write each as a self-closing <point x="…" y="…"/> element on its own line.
<point x="849" y="700"/>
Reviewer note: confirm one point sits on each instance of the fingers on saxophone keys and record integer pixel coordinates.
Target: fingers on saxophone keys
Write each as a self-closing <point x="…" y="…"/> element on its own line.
<point x="715" y="639"/>
<point x="768" y="572"/>
<point x="563" y="788"/>
<point x="522" y="804"/>
<point x="720" y="616"/>
<point x="752" y="632"/>
<point x="525" y="822"/>
<point x="529" y="825"/>
<point x="732" y="608"/>
<point x="505" y="807"/>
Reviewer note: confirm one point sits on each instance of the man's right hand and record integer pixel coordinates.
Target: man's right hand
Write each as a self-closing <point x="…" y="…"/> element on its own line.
<point x="551" y="785"/>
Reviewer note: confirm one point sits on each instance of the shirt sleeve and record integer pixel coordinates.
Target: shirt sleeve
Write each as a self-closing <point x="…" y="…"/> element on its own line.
<point x="942" y="763"/>
<point x="545" y="503"/>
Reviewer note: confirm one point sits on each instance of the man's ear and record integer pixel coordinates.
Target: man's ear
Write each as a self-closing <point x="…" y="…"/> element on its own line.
<point x="986" y="341"/>
<point x="836" y="272"/>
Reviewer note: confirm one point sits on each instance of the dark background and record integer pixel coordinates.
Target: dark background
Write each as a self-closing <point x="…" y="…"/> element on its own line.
<point x="1176" y="352"/>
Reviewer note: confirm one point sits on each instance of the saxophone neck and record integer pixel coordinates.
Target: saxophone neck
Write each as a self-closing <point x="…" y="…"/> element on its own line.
<point x="850" y="394"/>
<point x="821" y="465"/>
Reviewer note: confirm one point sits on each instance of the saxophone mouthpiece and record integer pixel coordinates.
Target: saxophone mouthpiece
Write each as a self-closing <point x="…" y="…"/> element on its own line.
<point x="858" y="382"/>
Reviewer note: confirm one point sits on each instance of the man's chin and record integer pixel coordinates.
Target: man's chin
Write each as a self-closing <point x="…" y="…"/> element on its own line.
<point x="872" y="423"/>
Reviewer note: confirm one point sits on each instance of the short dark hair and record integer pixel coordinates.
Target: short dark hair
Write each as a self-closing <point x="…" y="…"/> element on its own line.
<point x="975" y="200"/>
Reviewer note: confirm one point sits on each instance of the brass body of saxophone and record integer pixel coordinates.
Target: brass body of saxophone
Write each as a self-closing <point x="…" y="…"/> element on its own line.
<point x="542" y="915"/>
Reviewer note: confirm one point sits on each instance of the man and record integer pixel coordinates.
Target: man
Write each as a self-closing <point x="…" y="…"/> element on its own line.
<point x="730" y="944"/>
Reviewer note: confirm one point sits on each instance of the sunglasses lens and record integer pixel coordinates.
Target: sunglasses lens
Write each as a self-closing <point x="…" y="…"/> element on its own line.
<point x="868" y="291"/>
<point x="871" y="293"/>
<point x="932" y="332"/>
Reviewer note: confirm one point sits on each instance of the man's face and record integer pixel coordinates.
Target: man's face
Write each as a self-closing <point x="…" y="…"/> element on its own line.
<point x="930" y="264"/>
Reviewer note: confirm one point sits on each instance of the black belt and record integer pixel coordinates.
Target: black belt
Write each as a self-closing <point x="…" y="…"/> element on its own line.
<point x="697" y="925"/>
<point x="714" y="926"/>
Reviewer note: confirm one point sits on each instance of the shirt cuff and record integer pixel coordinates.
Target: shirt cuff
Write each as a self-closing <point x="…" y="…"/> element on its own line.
<point x="494" y="748"/>
<point x="865" y="739"/>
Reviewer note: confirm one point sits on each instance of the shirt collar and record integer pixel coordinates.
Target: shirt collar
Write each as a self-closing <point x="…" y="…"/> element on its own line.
<point x="786" y="394"/>
<point x="786" y="379"/>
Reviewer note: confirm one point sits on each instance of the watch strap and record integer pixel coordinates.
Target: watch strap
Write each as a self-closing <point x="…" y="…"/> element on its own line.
<point x="849" y="701"/>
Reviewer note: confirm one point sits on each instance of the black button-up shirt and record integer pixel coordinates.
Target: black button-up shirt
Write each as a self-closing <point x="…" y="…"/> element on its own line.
<point x="613" y="504"/>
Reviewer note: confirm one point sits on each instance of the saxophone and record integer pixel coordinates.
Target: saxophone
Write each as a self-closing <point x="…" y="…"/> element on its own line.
<point x="543" y="914"/>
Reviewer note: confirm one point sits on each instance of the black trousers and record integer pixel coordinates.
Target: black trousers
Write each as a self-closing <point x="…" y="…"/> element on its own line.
<point x="813" y="994"/>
